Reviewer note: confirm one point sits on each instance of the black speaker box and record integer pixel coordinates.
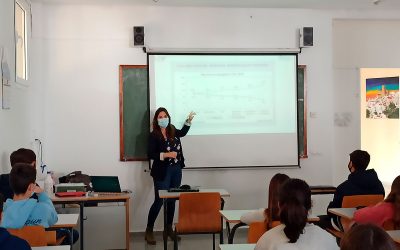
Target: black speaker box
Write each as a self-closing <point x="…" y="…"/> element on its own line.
<point x="138" y="35"/>
<point x="306" y="37"/>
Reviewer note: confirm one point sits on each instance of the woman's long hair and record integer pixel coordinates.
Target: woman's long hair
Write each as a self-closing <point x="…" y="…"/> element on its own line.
<point x="272" y="212"/>
<point x="170" y="129"/>
<point x="294" y="204"/>
<point x="394" y="197"/>
<point x="367" y="237"/>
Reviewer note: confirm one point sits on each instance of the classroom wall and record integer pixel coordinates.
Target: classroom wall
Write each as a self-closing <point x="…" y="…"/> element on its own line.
<point x="366" y="44"/>
<point x="17" y="124"/>
<point x="82" y="45"/>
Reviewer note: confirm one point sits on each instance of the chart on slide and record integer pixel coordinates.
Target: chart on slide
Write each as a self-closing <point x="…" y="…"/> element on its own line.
<point x="232" y="102"/>
<point x="230" y="94"/>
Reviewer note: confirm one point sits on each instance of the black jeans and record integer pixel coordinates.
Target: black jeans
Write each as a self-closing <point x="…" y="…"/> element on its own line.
<point x="65" y="232"/>
<point x="172" y="179"/>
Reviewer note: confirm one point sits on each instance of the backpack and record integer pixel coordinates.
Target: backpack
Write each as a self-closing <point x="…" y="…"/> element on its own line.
<point x="77" y="177"/>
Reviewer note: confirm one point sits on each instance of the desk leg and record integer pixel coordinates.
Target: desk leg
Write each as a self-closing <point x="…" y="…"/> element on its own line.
<point x="127" y="223"/>
<point x="228" y="230"/>
<point x="165" y="236"/>
<point x="232" y="234"/>
<point x="71" y="237"/>
<point x="81" y="205"/>
<point x="221" y="234"/>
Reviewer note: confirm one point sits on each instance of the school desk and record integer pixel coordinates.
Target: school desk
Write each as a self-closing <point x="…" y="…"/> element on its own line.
<point x="233" y="216"/>
<point x="100" y="198"/>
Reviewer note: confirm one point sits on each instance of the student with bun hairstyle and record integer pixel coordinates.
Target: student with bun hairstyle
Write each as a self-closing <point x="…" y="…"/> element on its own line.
<point x="271" y="213"/>
<point x="384" y="211"/>
<point x="367" y="237"/>
<point x="294" y="232"/>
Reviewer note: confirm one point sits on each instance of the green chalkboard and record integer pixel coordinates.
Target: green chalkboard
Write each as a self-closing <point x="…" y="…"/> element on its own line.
<point x="134" y="112"/>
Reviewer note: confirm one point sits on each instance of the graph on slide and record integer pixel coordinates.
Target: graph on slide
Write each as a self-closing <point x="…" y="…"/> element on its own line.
<point x="226" y="101"/>
<point x="231" y="95"/>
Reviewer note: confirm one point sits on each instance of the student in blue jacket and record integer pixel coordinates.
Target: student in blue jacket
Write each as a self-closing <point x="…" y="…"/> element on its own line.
<point x="165" y="150"/>
<point x="22" y="210"/>
<point x="8" y="241"/>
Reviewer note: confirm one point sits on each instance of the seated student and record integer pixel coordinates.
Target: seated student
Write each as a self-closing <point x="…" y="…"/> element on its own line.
<point x="22" y="210"/>
<point x="367" y="237"/>
<point x="25" y="210"/>
<point x="359" y="182"/>
<point x="383" y="211"/>
<point x="295" y="232"/>
<point x="8" y="241"/>
<point x="272" y="212"/>
<point x="21" y="155"/>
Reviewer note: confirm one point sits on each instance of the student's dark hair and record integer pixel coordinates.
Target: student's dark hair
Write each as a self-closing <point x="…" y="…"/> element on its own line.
<point x="21" y="176"/>
<point x="394" y="197"/>
<point x="294" y="204"/>
<point x="170" y="128"/>
<point x="367" y="237"/>
<point x="272" y="212"/>
<point x="1" y="204"/>
<point x="22" y="155"/>
<point x="360" y="159"/>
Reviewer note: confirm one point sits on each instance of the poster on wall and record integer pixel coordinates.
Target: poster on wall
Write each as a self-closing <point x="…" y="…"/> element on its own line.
<point x="382" y="98"/>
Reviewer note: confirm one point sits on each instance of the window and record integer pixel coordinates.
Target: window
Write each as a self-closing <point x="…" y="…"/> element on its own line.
<point x="21" y="35"/>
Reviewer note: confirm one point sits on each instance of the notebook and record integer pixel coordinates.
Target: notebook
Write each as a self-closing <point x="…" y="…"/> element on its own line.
<point x="105" y="184"/>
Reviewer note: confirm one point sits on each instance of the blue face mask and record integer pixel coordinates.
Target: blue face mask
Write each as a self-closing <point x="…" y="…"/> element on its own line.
<point x="163" y="122"/>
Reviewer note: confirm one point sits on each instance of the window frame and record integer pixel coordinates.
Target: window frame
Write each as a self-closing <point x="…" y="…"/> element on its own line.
<point x="26" y="7"/>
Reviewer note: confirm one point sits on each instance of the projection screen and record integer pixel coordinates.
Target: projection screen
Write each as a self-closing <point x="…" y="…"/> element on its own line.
<point x="246" y="106"/>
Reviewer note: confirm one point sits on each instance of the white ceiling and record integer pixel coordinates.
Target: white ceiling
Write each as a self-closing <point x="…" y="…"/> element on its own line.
<point x="303" y="4"/>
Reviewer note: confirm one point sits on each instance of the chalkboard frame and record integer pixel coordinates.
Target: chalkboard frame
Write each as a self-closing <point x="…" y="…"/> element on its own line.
<point x="121" y="113"/>
<point x="303" y="136"/>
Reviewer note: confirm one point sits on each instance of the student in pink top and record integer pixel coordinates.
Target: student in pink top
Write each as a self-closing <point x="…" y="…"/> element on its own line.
<point x="389" y="209"/>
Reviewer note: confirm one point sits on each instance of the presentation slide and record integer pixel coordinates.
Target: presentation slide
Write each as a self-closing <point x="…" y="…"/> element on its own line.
<point x="238" y="96"/>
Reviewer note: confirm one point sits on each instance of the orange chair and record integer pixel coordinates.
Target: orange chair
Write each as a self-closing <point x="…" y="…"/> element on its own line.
<point x="257" y="229"/>
<point x="355" y="201"/>
<point x="199" y="214"/>
<point x="36" y="236"/>
<point x="389" y="225"/>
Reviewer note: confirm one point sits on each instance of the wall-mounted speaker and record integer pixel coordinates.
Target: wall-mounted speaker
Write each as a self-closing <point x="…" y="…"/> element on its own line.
<point x="138" y="35"/>
<point x="306" y="37"/>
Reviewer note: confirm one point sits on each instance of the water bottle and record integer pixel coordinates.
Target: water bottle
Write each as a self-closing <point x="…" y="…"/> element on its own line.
<point x="48" y="184"/>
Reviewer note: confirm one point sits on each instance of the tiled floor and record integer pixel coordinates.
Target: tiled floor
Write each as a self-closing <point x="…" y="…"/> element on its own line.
<point x="188" y="242"/>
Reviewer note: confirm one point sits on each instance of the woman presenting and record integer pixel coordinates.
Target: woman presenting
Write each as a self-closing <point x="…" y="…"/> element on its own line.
<point x="165" y="150"/>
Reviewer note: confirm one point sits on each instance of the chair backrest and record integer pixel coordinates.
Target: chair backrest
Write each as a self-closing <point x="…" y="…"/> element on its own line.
<point x="388" y="225"/>
<point x="274" y="224"/>
<point x="199" y="213"/>
<point x="356" y="201"/>
<point x="34" y="235"/>
<point x="361" y="200"/>
<point x="256" y="230"/>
